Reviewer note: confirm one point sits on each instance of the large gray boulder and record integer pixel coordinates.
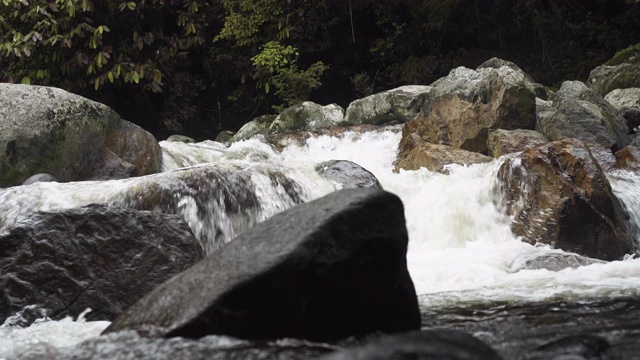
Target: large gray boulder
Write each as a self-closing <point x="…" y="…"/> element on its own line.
<point x="307" y="116"/>
<point x="324" y="270"/>
<point x="575" y="111"/>
<point x="397" y="105"/>
<point x="97" y="257"/>
<point x="559" y="195"/>
<point x="466" y="104"/>
<point x="48" y="130"/>
<point x="605" y="78"/>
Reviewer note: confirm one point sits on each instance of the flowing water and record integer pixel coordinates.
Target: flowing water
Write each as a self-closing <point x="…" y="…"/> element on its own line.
<point x="461" y="249"/>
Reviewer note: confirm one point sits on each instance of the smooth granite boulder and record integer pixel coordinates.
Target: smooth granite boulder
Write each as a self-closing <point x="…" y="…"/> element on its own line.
<point x="48" y="130"/>
<point x="345" y="174"/>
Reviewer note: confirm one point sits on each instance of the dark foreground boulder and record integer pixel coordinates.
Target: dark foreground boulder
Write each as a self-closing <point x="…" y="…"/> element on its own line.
<point x="346" y="174"/>
<point x="423" y="345"/>
<point x="324" y="270"/>
<point x="560" y="196"/>
<point x="100" y="257"/>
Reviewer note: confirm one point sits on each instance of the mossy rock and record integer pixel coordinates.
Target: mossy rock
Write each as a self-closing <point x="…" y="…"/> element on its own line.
<point x="629" y="55"/>
<point x="620" y="72"/>
<point x="48" y="130"/>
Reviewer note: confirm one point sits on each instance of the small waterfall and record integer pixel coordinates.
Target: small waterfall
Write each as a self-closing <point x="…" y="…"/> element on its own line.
<point x="220" y="192"/>
<point x="626" y="186"/>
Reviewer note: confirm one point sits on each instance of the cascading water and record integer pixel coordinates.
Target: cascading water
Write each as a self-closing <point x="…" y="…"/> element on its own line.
<point x="461" y="249"/>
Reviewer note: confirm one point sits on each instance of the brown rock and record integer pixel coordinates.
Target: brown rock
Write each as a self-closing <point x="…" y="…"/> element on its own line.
<point x="628" y="158"/>
<point x="434" y="157"/>
<point x="503" y="142"/>
<point x="559" y="195"/>
<point x="467" y="103"/>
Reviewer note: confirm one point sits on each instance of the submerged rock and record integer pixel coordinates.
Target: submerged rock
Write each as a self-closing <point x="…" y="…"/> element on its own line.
<point x="466" y="104"/>
<point x="554" y="262"/>
<point x="48" y="130"/>
<point x="129" y="345"/>
<point x="435" y="157"/>
<point x="307" y="116"/>
<point x="559" y="195"/>
<point x="345" y="174"/>
<point x="397" y="105"/>
<point x="327" y="269"/>
<point x="39" y="178"/>
<point x="100" y="257"/>
<point x="433" y="344"/>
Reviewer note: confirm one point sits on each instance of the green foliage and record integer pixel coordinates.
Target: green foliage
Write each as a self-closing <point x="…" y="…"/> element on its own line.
<point x="276" y="65"/>
<point x="73" y="43"/>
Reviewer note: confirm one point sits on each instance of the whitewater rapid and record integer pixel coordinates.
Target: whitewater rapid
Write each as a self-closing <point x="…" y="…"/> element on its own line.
<point x="461" y="249"/>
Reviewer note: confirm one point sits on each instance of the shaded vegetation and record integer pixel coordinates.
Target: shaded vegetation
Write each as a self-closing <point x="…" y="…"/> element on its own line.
<point x="197" y="67"/>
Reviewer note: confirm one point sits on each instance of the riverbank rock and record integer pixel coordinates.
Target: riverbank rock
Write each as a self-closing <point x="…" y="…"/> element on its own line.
<point x="397" y="105"/>
<point x="559" y="195"/>
<point x="621" y="98"/>
<point x="466" y="104"/>
<point x="345" y="174"/>
<point x="48" y="130"/>
<point x="281" y="140"/>
<point x="258" y="126"/>
<point x="101" y="257"/>
<point x="323" y="270"/>
<point x="224" y="136"/>
<point x="435" y="157"/>
<point x="307" y="116"/>
<point x="579" y="112"/>
<point x="428" y="344"/>
<point x="620" y="72"/>
<point x="502" y="142"/>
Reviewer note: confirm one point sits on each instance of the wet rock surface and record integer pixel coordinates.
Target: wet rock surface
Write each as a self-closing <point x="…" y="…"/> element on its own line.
<point x="502" y="142"/>
<point x="605" y="329"/>
<point x="346" y="174"/>
<point x="100" y="257"/>
<point x="559" y="195"/>
<point x="335" y="260"/>
<point x="450" y="345"/>
<point x="436" y="157"/>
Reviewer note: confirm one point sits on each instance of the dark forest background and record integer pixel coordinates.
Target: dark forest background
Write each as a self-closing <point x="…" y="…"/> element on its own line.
<point x="197" y="67"/>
